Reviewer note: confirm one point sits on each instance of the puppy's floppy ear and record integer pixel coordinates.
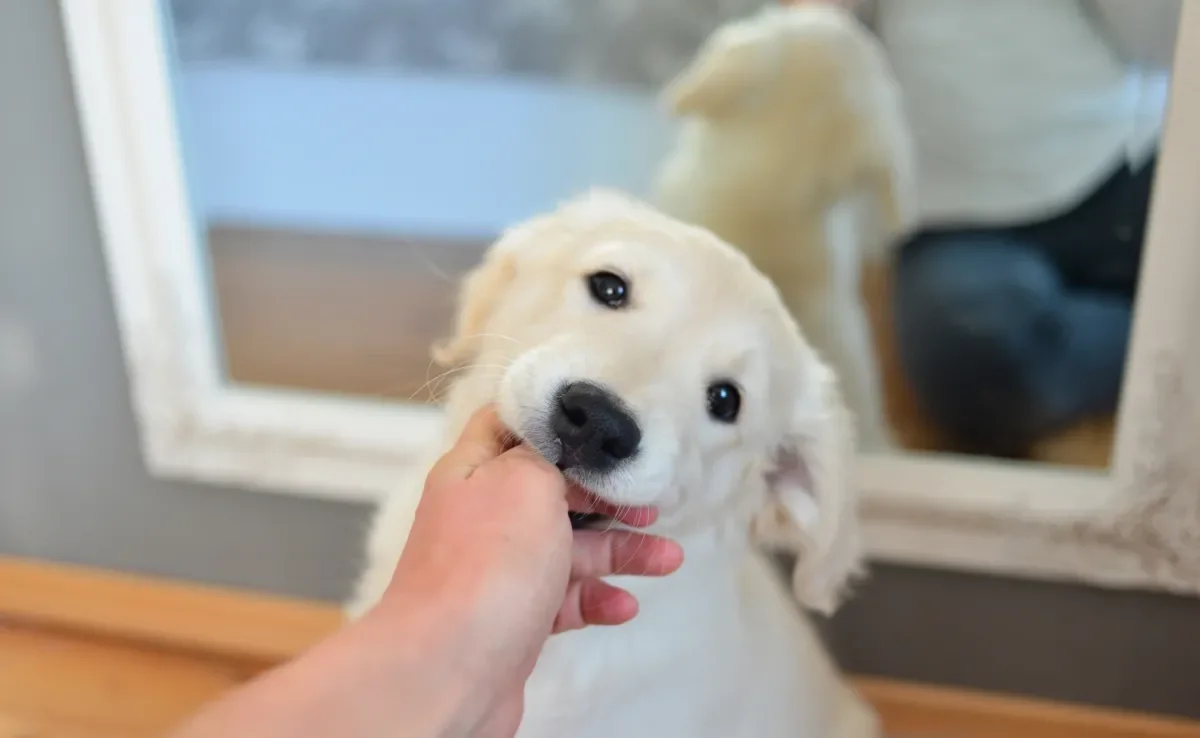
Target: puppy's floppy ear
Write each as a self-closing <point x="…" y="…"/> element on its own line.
<point x="477" y="298"/>
<point x="808" y="480"/>
<point x="723" y="71"/>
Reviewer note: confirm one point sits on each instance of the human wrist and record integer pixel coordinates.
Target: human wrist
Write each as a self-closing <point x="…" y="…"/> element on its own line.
<point x="389" y="673"/>
<point x="469" y="619"/>
<point x="429" y="673"/>
<point x="359" y="683"/>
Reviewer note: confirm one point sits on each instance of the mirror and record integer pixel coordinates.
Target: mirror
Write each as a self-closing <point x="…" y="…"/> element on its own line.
<point x="349" y="161"/>
<point x="973" y="280"/>
<point x="1007" y="322"/>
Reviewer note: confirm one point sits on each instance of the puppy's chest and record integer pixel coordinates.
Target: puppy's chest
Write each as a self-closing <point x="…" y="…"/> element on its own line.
<point x="641" y="685"/>
<point x="721" y="667"/>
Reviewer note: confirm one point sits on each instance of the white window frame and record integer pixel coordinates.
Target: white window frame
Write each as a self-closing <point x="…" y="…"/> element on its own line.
<point x="1137" y="525"/>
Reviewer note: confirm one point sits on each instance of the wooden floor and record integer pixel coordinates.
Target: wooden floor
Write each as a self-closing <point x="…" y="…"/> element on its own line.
<point x="93" y="654"/>
<point x="67" y="685"/>
<point x="357" y="316"/>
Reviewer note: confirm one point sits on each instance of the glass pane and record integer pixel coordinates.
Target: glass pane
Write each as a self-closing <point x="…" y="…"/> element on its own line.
<point x="350" y="160"/>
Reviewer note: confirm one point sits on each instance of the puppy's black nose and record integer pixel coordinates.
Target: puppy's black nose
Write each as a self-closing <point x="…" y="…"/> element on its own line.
<point x="596" y="431"/>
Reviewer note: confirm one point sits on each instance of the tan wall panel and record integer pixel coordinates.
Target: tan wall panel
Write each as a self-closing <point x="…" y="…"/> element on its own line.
<point x="335" y="314"/>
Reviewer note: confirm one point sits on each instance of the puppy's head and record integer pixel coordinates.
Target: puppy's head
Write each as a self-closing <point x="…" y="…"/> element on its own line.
<point x="655" y="366"/>
<point x="808" y="52"/>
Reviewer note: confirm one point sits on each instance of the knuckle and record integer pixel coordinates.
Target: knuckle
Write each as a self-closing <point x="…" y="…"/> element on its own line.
<point x="619" y="556"/>
<point x="536" y="471"/>
<point x="547" y="475"/>
<point x="609" y="556"/>
<point x="593" y="554"/>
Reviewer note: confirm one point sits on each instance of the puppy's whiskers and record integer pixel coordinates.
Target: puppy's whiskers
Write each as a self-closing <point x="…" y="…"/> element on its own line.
<point x="510" y="438"/>
<point x="423" y="253"/>
<point x="481" y="336"/>
<point x="622" y="479"/>
<point x="537" y="433"/>
<point x="500" y="365"/>
<point x="434" y="388"/>
<point x="620" y="568"/>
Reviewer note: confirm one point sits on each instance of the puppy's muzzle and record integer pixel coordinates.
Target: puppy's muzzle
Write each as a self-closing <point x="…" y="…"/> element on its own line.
<point x="595" y="429"/>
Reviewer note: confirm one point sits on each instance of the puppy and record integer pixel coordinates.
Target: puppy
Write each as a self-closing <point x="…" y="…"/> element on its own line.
<point x="655" y="366"/>
<point x="794" y="148"/>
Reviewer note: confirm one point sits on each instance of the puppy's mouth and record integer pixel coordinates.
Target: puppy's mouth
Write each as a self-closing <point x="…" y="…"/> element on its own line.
<point x="589" y="521"/>
<point x="595" y="511"/>
<point x="589" y="510"/>
<point x="590" y="516"/>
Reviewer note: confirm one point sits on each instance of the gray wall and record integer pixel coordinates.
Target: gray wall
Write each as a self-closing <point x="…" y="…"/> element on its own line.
<point x="72" y="487"/>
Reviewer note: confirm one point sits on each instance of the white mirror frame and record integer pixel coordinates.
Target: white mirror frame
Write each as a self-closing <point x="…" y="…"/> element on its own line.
<point x="1135" y="526"/>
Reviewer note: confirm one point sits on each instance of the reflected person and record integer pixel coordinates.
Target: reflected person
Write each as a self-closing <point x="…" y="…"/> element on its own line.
<point x="1037" y="125"/>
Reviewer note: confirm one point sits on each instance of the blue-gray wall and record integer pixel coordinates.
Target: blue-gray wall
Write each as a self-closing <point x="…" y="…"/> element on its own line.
<point x="72" y="486"/>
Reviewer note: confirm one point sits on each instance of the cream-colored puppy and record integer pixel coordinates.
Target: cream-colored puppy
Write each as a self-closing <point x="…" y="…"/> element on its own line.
<point x="794" y="148"/>
<point x="655" y="366"/>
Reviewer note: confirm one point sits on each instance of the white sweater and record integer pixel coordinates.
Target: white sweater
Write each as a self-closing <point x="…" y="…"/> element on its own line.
<point x="1021" y="107"/>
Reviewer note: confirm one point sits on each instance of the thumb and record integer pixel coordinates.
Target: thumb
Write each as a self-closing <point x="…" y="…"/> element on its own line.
<point x="484" y="438"/>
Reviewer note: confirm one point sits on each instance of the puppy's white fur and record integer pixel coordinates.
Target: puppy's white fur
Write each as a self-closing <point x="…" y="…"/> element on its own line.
<point x="719" y="649"/>
<point x="794" y="148"/>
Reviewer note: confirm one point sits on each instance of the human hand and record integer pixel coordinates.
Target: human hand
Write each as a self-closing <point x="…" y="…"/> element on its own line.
<point x="492" y="513"/>
<point x="491" y="549"/>
<point x="490" y="570"/>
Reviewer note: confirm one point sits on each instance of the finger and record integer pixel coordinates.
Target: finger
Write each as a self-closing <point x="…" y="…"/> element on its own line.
<point x="593" y="602"/>
<point x="534" y="471"/>
<point x="581" y="501"/>
<point x="596" y="553"/>
<point x="483" y="438"/>
<point x="523" y="451"/>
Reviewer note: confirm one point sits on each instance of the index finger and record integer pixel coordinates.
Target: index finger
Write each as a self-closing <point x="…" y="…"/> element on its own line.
<point x="483" y="438"/>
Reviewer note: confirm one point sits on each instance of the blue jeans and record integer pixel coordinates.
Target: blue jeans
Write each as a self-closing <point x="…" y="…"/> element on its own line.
<point x="1007" y="335"/>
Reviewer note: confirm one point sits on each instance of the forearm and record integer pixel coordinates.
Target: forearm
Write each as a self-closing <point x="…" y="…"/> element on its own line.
<point x="397" y="679"/>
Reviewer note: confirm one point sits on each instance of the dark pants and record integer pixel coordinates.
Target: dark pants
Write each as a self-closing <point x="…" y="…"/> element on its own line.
<point x="1009" y="334"/>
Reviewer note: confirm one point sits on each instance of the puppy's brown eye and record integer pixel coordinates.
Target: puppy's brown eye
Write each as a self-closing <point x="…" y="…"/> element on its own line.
<point x="724" y="402"/>
<point x="608" y="289"/>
